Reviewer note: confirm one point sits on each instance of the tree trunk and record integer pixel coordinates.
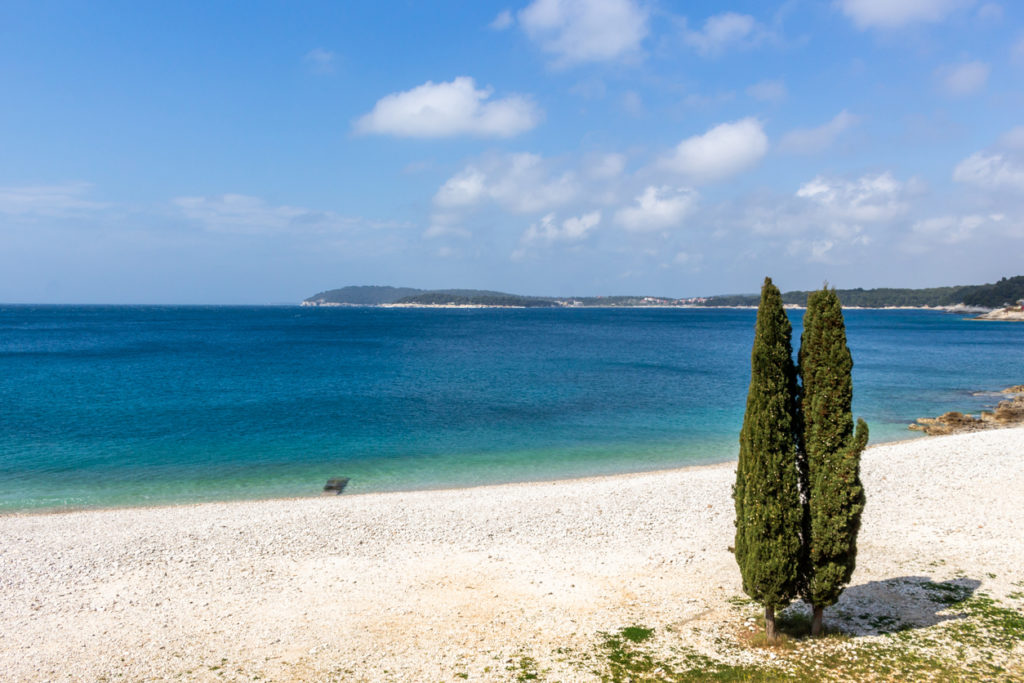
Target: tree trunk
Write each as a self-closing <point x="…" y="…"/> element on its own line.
<point x="769" y="625"/>
<point x="816" y="620"/>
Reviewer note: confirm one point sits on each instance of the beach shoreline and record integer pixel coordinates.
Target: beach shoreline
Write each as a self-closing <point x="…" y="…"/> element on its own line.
<point x="427" y="585"/>
<point x="69" y="509"/>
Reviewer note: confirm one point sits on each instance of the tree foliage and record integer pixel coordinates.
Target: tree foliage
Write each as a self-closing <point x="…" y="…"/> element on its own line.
<point x="830" y="452"/>
<point x="1006" y="291"/>
<point x="766" y="494"/>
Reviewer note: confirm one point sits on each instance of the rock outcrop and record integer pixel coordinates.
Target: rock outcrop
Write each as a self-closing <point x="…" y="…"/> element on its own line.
<point x="1006" y="413"/>
<point x="1011" y="313"/>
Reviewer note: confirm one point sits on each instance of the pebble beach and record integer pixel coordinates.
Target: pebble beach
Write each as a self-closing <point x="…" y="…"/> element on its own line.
<point x="454" y="584"/>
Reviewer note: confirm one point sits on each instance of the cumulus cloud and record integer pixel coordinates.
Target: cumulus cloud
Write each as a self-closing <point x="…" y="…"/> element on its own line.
<point x="521" y="183"/>
<point x="502" y="21"/>
<point x="830" y="220"/>
<point x="816" y="140"/>
<point x="572" y="229"/>
<point x="723" y="151"/>
<point x="890" y="14"/>
<point x="991" y="170"/>
<point x="870" y="198"/>
<point x="963" y="79"/>
<point x="952" y="229"/>
<point x="52" y="201"/>
<point x="437" y="110"/>
<point x="724" y="31"/>
<point x="815" y="251"/>
<point x="768" y="91"/>
<point x="658" y="208"/>
<point x="578" y="31"/>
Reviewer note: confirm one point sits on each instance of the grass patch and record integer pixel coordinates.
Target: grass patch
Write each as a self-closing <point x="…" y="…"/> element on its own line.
<point x="626" y="656"/>
<point x="976" y="639"/>
<point x="524" y="669"/>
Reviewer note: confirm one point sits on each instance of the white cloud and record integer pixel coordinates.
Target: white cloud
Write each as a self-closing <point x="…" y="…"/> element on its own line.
<point x="578" y="31"/>
<point x="951" y="229"/>
<point x="502" y="21"/>
<point x="990" y="170"/>
<point x="871" y="198"/>
<point x="816" y="140"/>
<point x="658" y="208"/>
<point x="435" y="110"/>
<point x="572" y="229"/>
<point x="725" y="150"/>
<point x="963" y="79"/>
<point x="723" y="31"/>
<point x="889" y="14"/>
<point x="320" y="61"/>
<point x="242" y="214"/>
<point x="521" y="183"/>
<point x="52" y="201"/>
<point x="606" y="167"/>
<point x="815" y="251"/>
<point x="464" y="188"/>
<point x="768" y="91"/>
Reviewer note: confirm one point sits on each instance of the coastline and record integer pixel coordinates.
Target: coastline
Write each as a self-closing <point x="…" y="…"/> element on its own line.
<point x="427" y="584"/>
<point x="965" y="310"/>
<point x="910" y="434"/>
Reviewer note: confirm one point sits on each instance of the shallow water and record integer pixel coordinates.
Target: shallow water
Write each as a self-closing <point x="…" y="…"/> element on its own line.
<point x="139" y="405"/>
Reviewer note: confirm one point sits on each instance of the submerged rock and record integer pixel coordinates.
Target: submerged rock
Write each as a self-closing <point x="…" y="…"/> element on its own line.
<point x="335" y="486"/>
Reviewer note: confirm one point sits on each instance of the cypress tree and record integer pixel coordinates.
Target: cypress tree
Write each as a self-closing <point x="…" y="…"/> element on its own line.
<point x="767" y="493"/>
<point x="830" y="462"/>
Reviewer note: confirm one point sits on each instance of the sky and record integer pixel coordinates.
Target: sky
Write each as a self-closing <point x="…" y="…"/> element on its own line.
<point x="261" y="152"/>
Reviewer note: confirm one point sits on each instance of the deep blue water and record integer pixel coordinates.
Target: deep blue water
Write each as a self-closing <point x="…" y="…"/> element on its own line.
<point x="138" y="405"/>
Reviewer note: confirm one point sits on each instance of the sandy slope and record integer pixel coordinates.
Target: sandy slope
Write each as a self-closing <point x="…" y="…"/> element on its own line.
<point x="428" y="585"/>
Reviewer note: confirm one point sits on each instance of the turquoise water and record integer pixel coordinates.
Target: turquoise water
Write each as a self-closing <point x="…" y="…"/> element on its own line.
<point x="103" y="406"/>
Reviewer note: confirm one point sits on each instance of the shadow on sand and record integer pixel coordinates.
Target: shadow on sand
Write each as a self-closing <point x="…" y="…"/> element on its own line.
<point x="898" y="604"/>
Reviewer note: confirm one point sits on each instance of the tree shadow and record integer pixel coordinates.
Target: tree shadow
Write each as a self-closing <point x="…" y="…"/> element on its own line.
<point x="898" y="604"/>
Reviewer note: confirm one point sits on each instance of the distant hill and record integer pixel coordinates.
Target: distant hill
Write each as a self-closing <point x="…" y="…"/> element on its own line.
<point x="997" y="295"/>
<point x="1006" y="291"/>
<point x="363" y="295"/>
<point x="468" y="297"/>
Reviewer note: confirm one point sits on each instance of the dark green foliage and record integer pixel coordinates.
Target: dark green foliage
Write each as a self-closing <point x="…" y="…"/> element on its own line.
<point x="366" y="295"/>
<point x="830" y="462"/>
<point x="1006" y="291"/>
<point x="450" y="298"/>
<point x="767" y="495"/>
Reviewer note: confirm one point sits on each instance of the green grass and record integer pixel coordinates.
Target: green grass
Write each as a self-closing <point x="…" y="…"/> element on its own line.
<point x="975" y="638"/>
<point x="524" y="669"/>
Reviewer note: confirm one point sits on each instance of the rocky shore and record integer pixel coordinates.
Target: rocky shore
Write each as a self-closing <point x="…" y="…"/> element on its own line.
<point x="1012" y="313"/>
<point x="1007" y="413"/>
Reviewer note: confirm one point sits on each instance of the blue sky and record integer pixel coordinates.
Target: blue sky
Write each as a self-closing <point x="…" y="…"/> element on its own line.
<point x="261" y="152"/>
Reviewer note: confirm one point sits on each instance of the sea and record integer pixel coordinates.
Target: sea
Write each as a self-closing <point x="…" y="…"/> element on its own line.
<point x="111" y="406"/>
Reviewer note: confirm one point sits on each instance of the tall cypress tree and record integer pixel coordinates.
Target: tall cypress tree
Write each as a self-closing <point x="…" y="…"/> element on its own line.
<point x="767" y="492"/>
<point x="830" y="462"/>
